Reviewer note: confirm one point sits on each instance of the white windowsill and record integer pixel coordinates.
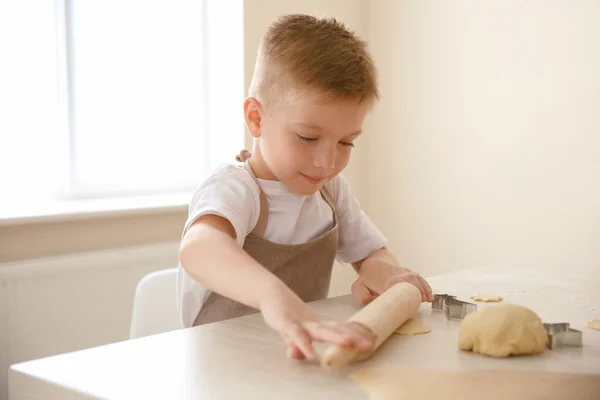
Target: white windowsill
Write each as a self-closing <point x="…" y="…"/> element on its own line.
<point x="65" y="210"/>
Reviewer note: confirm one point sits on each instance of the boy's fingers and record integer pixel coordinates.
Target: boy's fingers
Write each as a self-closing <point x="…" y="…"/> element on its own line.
<point x="293" y="351"/>
<point x="414" y="279"/>
<point x="323" y="332"/>
<point x="417" y="282"/>
<point x="361" y="293"/>
<point x="302" y="340"/>
<point x="343" y="334"/>
<point x="363" y="336"/>
<point x="428" y="290"/>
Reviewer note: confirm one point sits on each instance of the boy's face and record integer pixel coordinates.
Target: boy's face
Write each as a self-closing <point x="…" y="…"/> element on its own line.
<point x="305" y="143"/>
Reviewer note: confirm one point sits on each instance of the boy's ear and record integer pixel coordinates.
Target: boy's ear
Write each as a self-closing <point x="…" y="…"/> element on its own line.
<point x="253" y="116"/>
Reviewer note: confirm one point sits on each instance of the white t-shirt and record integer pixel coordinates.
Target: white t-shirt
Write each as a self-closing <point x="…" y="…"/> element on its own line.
<point x="232" y="193"/>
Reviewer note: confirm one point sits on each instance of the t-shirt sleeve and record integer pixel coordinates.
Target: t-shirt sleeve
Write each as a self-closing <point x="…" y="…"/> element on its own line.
<point x="231" y="193"/>
<point x="358" y="235"/>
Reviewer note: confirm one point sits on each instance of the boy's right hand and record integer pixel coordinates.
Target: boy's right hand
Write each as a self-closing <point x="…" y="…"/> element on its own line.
<point x="287" y="314"/>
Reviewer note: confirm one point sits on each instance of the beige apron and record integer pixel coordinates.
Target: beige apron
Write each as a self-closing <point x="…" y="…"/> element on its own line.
<point x="304" y="268"/>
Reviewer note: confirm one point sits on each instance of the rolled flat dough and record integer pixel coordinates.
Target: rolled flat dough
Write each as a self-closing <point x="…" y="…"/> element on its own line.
<point x="487" y="298"/>
<point x="413" y="326"/>
<point x="594" y="324"/>
<point x="411" y="383"/>
<point x="502" y="330"/>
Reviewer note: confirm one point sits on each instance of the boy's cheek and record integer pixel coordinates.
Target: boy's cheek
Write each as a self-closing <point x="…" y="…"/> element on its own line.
<point x="342" y="162"/>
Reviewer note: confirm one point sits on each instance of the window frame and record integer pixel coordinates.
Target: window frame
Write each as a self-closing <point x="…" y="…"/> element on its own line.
<point x="225" y="134"/>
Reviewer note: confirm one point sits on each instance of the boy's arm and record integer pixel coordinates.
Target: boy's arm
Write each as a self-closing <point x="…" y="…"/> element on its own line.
<point x="379" y="271"/>
<point x="382" y="253"/>
<point x="209" y="254"/>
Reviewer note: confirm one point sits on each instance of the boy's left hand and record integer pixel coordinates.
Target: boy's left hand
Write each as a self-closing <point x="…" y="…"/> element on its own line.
<point x="377" y="274"/>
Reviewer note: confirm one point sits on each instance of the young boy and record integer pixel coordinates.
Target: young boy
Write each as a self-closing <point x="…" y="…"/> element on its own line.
<point x="263" y="235"/>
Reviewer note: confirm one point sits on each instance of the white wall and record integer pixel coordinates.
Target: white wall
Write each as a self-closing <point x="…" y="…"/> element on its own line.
<point x="486" y="145"/>
<point x="59" y="304"/>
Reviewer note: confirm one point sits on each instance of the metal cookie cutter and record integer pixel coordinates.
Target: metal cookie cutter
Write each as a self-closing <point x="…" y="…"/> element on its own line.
<point x="561" y="335"/>
<point x="452" y="308"/>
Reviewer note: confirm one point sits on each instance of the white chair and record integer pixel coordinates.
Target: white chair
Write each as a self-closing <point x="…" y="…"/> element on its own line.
<point x="155" y="304"/>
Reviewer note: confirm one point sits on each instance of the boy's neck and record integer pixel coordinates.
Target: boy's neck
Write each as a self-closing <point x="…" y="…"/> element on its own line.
<point x="259" y="166"/>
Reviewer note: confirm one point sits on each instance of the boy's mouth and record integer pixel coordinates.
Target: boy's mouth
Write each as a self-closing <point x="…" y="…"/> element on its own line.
<point x="312" y="179"/>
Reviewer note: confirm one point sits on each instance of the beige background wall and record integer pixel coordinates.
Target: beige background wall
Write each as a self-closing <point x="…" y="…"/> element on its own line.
<point x="484" y="149"/>
<point x="486" y="146"/>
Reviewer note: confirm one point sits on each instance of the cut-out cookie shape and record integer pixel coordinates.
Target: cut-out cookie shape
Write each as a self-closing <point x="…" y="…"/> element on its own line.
<point x="487" y="298"/>
<point x="413" y="326"/>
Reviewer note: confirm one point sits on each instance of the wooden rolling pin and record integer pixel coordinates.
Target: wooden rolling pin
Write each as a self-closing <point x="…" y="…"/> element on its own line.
<point x="382" y="316"/>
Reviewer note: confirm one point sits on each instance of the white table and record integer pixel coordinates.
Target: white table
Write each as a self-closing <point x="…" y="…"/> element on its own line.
<point x="243" y="359"/>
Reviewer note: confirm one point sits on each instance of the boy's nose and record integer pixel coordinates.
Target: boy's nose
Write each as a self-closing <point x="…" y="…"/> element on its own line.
<point x="325" y="159"/>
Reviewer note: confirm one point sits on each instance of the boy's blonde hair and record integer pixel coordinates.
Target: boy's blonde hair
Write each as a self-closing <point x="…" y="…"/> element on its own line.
<point x="300" y="52"/>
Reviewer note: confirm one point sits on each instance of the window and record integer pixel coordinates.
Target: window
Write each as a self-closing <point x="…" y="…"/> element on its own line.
<point x="117" y="97"/>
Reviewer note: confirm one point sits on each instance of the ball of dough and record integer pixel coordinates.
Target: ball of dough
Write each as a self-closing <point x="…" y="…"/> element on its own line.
<point x="503" y="330"/>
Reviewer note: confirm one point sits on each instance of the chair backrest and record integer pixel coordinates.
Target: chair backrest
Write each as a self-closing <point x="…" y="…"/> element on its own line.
<point x="155" y="304"/>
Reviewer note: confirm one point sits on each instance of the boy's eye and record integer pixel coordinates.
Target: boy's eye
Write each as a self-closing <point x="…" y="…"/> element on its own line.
<point x="306" y="139"/>
<point x="312" y="139"/>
